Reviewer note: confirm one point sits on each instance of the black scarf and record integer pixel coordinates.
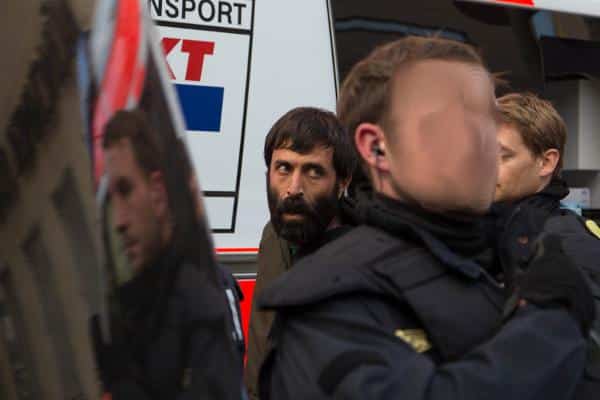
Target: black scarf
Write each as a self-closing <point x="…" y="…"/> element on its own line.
<point x="462" y="234"/>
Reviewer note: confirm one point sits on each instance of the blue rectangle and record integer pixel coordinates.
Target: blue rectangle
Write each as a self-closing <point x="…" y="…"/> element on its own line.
<point x="202" y="106"/>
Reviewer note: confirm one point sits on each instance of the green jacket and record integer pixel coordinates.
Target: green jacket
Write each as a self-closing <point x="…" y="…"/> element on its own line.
<point x="273" y="260"/>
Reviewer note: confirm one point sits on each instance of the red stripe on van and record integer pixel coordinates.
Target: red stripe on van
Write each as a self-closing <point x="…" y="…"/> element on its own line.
<point x="519" y="2"/>
<point x="247" y="286"/>
<point x="237" y="249"/>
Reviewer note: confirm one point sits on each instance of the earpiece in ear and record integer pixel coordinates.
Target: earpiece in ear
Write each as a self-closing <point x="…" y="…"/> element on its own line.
<point x="377" y="151"/>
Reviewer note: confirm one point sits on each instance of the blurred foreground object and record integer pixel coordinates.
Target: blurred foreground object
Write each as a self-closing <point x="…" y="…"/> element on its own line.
<point x="48" y="241"/>
<point x="172" y="331"/>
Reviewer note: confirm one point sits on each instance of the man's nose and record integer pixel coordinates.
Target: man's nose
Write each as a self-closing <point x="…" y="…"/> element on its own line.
<point x="120" y="219"/>
<point x="295" y="187"/>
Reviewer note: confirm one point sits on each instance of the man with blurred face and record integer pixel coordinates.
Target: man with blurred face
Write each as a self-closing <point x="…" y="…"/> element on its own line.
<point x="173" y="334"/>
<point x="403" y="306"/>
<point x="309" y="159"/>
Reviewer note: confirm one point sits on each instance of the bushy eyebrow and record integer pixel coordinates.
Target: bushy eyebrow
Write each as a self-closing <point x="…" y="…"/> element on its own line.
<point x="281" y="162"/>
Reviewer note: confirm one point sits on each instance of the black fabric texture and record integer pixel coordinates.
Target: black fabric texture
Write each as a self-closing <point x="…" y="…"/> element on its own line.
<point x="342" y="365"/>
<point x="463" y="234"/>
<point x="355" y="293"/>
<point x="169" y="323"/>
<point x="552" y="278"/>
<point x="547" y="201"/>
<point x="512" y="227"/>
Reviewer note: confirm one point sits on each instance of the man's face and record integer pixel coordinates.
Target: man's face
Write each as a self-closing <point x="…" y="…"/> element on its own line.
<point x="135" y="213"/>
<point x="302" y="193"/>
<point x="442" y="136"/>
<point x="518" y="168"/>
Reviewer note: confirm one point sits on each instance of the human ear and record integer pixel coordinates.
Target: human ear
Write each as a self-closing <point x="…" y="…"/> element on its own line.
<point x="158" y="193"/>
<point x="369" y="140"/>
<point x="549" y="161"/>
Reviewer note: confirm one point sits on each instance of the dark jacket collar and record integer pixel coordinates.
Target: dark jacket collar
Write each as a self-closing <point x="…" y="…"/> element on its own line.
<point x="457" y="240"/>
<point x="141" y="293"/>
<point x="557" y="189"/>
<point x="327" y="236"/>
<point x="548" y="199"/>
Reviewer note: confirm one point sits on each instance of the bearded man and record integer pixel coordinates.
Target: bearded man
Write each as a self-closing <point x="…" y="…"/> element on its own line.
<point x="310" y="160"/>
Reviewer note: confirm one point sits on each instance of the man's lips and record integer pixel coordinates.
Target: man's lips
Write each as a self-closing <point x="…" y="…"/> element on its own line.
<point x="291" y="215"/>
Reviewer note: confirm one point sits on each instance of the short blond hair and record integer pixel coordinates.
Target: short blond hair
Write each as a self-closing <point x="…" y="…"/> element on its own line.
<point x="537" y="121"/>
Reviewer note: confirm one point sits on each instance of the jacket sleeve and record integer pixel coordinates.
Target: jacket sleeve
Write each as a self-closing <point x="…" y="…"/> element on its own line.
<point x="538" y="354"/>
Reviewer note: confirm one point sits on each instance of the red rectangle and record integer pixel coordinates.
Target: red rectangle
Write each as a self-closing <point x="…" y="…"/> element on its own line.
<point x="247" y="286"/>
<point x="519" y="2"/>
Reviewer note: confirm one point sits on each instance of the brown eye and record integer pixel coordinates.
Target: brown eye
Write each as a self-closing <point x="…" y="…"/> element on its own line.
<point x="315" y="173"/>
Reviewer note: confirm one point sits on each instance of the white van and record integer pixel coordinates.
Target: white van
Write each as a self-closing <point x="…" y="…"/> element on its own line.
<point x="237" y="66"/>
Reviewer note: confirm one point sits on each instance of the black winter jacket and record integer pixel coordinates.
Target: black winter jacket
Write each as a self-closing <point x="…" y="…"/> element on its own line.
<point x="177" y="336"/>
<point x="380" y="315"/>
<point x="516" y="228"/>
<point x="516" y="225"/>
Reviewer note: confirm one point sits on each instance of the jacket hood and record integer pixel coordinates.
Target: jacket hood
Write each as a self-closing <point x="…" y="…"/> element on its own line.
<point x="365" y="260"/>
<point x="335" y="270"/>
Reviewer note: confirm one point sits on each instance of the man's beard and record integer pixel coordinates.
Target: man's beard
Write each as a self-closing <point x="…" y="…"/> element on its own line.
<point x="315" y="220"/>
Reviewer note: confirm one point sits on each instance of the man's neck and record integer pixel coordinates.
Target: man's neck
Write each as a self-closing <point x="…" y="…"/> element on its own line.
<point x="544" y="184"/>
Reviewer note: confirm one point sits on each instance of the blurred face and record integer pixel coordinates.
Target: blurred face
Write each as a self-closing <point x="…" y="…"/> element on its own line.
<point x="138" y="204"/>
<point x="518" y="168"/>
<point x="442" y="137"/>
<point x="303" y="193"/>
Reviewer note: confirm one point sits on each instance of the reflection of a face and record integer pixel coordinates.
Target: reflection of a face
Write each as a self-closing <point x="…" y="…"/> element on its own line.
<point x="302" y="193"/>
<point x="442" y="134"/>
<point x="135" y="216"/>
<point x="518" y="168"/>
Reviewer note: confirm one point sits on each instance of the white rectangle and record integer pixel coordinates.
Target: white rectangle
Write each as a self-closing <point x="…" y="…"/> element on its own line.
<point x="220" y="212"/>
<point x="230" y="14"/>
